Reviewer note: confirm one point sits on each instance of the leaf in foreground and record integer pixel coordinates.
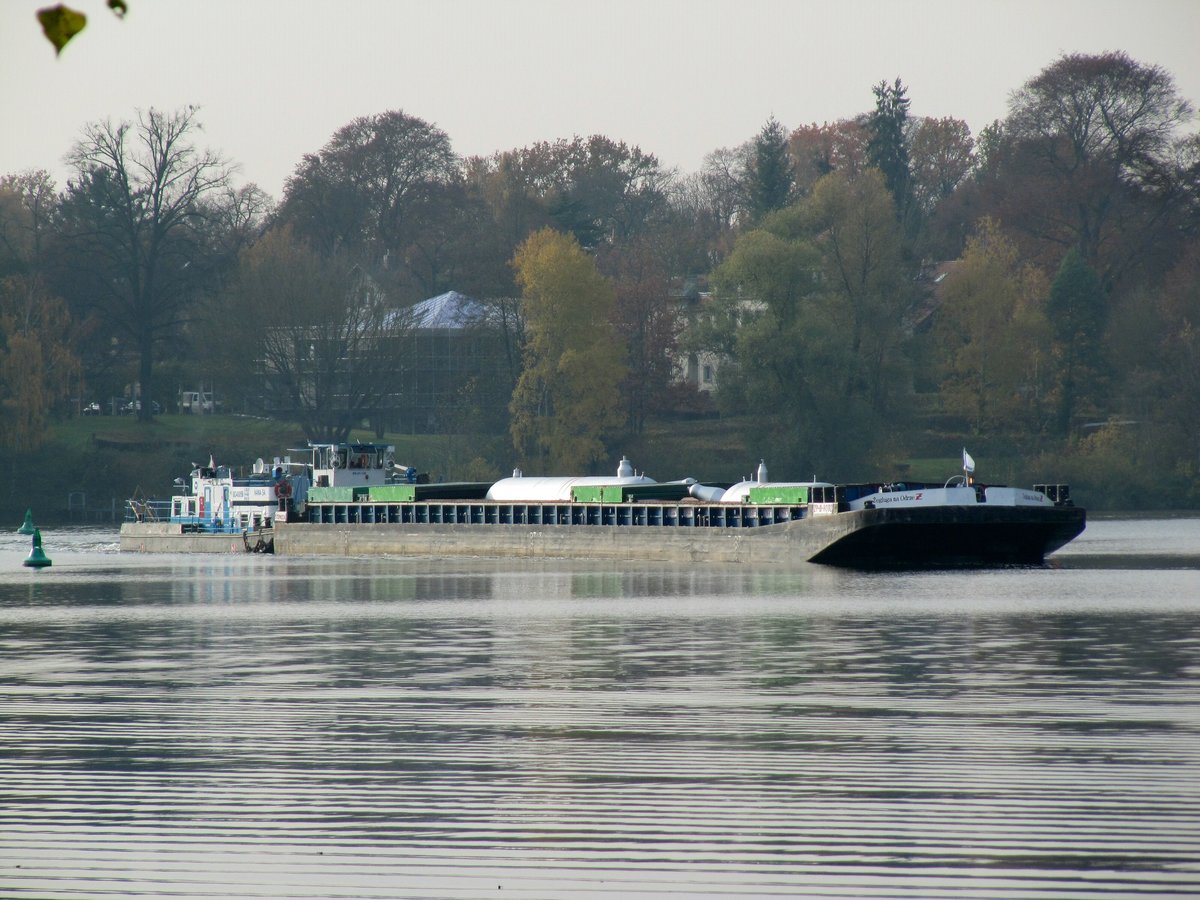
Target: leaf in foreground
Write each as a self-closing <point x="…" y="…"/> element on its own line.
<point x="60" y="24"/>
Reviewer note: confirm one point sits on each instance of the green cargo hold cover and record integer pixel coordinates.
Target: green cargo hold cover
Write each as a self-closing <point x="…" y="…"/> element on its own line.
<point x="777" y="495"/>
<point x="336" y="494"/>
<point x="446" y="490"/>
<point x="629" y="493"/>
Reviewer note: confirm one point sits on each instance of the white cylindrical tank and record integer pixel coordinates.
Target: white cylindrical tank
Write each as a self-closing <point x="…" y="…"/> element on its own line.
<point x="739" y="493"/>
<point x="558" y="487"/>
<point x="706" y="492"/>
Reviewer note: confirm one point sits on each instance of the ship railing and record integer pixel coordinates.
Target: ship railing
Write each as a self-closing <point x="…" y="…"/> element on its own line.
<point x="140" y="510"/>
<point x="137" y="510"/>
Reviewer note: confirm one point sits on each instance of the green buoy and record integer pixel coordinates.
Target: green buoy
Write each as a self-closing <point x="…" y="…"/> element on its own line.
<point x="37" y="559"/>
<point x="27" y="528"/>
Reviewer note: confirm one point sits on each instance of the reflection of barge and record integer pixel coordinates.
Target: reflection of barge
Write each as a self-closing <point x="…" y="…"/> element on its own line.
<point x="356" y="507"/>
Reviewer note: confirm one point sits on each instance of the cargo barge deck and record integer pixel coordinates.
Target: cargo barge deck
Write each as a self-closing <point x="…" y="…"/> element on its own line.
<point x="353" y="509"/>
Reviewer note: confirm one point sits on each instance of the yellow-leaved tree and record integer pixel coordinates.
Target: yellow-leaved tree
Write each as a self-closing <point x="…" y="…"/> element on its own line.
<point x="38" y="367"/>
<point x="997" y="370"/>
<point x="567" y="398"/>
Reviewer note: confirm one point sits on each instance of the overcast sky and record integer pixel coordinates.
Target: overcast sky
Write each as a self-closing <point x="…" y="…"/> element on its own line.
<point x="679" y="78"/>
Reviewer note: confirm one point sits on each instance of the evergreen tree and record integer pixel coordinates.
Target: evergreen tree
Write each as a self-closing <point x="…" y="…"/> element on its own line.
<point x="769" y="179"/>
<point x="887" y="148"/>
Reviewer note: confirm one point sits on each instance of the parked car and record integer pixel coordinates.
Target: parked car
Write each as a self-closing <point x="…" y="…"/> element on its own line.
<point x="92" y="409"/>
<point x="135" y="406"/>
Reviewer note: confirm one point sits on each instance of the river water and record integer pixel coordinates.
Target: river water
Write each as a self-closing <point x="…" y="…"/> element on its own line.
<point x="260" y="727"/>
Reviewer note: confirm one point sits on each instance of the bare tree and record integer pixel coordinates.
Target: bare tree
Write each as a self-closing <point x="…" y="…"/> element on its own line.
<point x="136" y="218"/>
<point x="324" y="346"/>
<point x="28" y="209"/>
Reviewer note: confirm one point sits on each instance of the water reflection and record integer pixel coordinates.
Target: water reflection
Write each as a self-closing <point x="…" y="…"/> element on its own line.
<point x="241" y="726"/>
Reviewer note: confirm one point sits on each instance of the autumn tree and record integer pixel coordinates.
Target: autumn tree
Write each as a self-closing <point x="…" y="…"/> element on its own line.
<point x="855" y="225"/>
<point x="610" y="197"/>
<point x="38" y="365"/>
<point x="1177" y="399"/>
<point x="567" y="399"/>
<point x="608" y="191"/>
<point x="810" y="322"/>
<point x="136" y="222"/>
<point x="994" y="336"/>
<point x="383" y="190"/>
<point x="942" y="156"/>
<point x="646" y="318"/>
<point x="774" y="337"/>
<point x="599" y="190"/>
<point x="1088" y="162"/>
<point x="514" y="188"/>
<point x="820" y="150"/>
<point x="452" y="250"/>
<point x="949" y="167"/>
<point x="514" y="185"/>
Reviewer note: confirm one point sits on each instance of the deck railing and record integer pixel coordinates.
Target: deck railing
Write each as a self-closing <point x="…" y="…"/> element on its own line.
<point x="160" y="511"/>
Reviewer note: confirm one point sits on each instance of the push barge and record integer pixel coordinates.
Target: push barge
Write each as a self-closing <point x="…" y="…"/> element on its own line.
<point x="354" y="500"/>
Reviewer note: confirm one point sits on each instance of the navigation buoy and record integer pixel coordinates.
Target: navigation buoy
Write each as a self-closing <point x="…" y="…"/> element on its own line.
<point x="27" y="527"/>
<point x="37" y="558"/>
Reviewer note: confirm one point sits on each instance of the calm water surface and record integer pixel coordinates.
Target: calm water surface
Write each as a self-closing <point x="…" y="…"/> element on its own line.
<point x="175" y="726"/>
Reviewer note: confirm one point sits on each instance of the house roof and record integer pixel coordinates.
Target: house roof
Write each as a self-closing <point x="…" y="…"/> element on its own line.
<point x="450" y="310"/>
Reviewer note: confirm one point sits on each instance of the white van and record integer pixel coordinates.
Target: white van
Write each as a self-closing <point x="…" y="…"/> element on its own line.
<point x="197" y="402"/>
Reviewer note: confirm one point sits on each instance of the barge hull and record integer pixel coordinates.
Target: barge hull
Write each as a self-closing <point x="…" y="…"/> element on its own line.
<point x="887" y="538"/>
<point x="169" y="537"/>
<point x="951" y="536"/>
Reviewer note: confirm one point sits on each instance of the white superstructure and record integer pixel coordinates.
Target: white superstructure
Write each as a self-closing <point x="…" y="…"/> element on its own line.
<point x="951" y="495"/>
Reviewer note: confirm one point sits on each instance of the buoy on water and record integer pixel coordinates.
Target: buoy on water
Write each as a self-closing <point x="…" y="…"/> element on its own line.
<point x="27" y="527"/>
<point x="37" y="558"/>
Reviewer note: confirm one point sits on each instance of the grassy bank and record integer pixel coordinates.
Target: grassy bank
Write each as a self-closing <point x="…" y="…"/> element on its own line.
<point x="89" y="466"/>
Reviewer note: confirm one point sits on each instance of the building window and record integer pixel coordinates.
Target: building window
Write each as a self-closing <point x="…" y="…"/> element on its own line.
<point x="708" y="375"/>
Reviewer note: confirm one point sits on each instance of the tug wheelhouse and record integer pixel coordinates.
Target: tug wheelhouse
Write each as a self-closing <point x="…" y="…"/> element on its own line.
<point x="220" y="502"/>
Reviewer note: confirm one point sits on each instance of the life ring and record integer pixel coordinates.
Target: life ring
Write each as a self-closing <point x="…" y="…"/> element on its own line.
<point x="283" y="489"/>
<point x="335" y="461"/>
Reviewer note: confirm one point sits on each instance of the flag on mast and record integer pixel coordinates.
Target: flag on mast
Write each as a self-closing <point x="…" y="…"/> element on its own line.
<point x="968" y="463"/>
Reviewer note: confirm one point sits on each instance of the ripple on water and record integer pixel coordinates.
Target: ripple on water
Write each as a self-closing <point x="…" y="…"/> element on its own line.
<point x="265" y="728"/>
